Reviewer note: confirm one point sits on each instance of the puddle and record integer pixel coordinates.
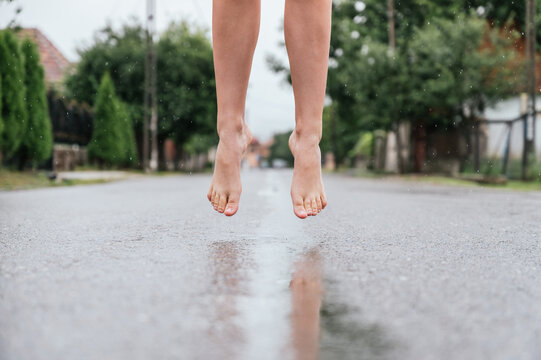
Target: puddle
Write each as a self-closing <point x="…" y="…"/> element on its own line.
<point x="271" y="297"/>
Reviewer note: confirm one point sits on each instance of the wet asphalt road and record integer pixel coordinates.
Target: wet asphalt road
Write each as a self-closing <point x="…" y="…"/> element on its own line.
<point x="144" y="269"/>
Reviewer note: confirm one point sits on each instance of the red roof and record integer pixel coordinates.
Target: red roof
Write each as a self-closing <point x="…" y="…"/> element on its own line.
<point x="53" y="61"/>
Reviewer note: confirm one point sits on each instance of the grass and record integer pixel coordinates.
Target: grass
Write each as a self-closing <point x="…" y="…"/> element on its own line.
<point x="493" y="167"/>
<point x="451" y="181"/>
<point x="14" y="180"/>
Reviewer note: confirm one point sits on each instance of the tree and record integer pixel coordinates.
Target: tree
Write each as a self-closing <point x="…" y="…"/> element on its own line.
<point x="12" y="24"/>
<point x="448" y="59"/>
<point x="128" y="137"/>
<point x="37" y="141"/>
<point x="107" y="143"/>
<point x="186" y="86"/>
<point x="121" y="54"/>
<point x="455" y="76"/>
<point x="13" y="93"/>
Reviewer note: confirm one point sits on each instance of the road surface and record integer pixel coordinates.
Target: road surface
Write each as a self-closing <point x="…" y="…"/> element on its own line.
<point x="145" y="269"/>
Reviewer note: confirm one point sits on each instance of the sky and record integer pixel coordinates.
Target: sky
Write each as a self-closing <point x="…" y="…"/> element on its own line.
<point x="71" y="24"/>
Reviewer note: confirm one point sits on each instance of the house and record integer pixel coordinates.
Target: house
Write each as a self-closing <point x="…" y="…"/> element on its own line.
<point x="253" y="153"/>
<point x="54" y="62"/>
<point x="257" y="153"/>
<point x="497" y="132"/>
<point x="509" y="109"/>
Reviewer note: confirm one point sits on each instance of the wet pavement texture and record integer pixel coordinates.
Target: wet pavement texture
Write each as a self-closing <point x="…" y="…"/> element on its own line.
<point x="145" y="269"/>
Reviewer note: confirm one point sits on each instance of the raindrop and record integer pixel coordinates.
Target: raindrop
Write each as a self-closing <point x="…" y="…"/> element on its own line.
<point x="360" y="6"/>
<point x="359" y="19"/>
<point x="333" y="64"/>
<point x="365" y="50"/>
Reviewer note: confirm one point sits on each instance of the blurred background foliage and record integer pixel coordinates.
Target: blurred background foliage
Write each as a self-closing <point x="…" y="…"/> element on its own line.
<point x="186" y="86"/>
<point x="25" y="125"/>
<point x="451" y="59"/>
<point x="449" y="62"/>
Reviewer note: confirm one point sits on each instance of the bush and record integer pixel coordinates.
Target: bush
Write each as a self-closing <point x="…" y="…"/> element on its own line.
<point x="128" y="137"/>
<point x="107" y="143"/>
<point x="37" y="141"/>
<point x="13" y="92"/>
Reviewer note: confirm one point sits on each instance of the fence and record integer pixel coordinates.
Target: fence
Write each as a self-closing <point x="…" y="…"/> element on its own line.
<point x="71" y="121"/>
<point x="506" y="146"/>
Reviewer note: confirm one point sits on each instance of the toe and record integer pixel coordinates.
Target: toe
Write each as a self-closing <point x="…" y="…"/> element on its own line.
<point x="323" y="201"/>
<point x="232" y="205"/>
<point x="314" y="207"/>
<point x="308" y="207"/>
<point x="209" y="194"/>
<point x="221" y="204"/>
<point x="213" y="198"/>
<point x="215" y="201"/>
<point x="298" y="208"/>
<point x="319" y="205"/>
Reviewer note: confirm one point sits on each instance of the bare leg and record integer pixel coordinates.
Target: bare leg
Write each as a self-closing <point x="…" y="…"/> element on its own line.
<point x="307" y="33"/>
<point x="235" y="29"/>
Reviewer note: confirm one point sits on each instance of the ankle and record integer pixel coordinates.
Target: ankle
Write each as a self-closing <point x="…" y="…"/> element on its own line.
<point x="307" y="137"/>
<point x="235" y="138"/>
<point x="231" y="131"/>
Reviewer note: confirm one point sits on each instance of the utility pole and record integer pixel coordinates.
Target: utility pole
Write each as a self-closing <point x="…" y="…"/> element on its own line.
<point x="531" y="81"/>
<point x="392" y="49"/>
<point x="150" y="131"/>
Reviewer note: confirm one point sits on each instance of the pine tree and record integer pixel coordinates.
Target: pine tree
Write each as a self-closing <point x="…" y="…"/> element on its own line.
<point x="13" y="93"/>
<point x="106" y="146"/>
<point x="37" y="144"/>
<point x="128" y="135"/>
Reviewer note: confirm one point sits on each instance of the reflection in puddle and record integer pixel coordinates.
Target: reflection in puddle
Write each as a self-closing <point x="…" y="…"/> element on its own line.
<point x="270" y="300"/>
<point x="306" y="292"/>
<point x="344" y="338"/>
<point x="324" y="328"/>
<point x="253" y="314"/>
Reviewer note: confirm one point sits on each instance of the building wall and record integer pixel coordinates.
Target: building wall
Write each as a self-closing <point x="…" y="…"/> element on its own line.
<point x="509" y="109"/>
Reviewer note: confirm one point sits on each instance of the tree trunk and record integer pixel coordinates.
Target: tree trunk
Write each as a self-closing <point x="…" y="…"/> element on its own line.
<point x="22" y="159"/>
<point x="399" y="147"/>
<point x="420" y="147"/>
<point x="477" y="149"/>
<point x="334" y="139"/>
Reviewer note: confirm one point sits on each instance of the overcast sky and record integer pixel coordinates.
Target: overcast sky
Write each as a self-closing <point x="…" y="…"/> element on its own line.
<point x="70" y="24"/>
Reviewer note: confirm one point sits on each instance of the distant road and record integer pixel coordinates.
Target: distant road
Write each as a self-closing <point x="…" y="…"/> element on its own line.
<point x="145" y="269"/>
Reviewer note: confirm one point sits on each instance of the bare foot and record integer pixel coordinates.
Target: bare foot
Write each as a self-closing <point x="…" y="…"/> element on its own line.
<point x="307" y="190"/>
<point x="225" y="189"/>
